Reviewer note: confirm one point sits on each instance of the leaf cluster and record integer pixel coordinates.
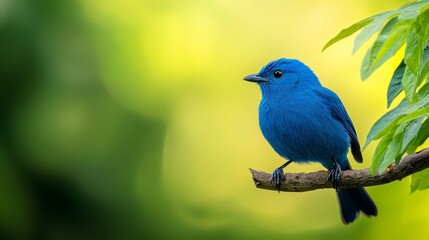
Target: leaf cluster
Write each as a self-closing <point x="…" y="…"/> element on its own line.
<point x="405" y="127"/>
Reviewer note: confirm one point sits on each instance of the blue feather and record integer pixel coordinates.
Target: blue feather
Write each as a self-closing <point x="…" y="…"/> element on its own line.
<point x="339" y="112"/>
<point x="305" y="122"/>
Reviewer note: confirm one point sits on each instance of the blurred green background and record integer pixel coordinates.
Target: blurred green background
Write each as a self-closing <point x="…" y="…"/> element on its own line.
<point x="128" y="119"/>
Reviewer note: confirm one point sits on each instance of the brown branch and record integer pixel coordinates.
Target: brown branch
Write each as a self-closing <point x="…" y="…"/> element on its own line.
<point x="302" y="182"/>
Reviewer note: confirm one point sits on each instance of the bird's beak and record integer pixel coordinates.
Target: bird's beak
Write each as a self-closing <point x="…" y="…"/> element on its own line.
<point x="255" y="78"/>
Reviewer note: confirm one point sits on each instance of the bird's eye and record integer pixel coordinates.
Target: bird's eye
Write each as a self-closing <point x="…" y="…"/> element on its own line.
<point x="278" y="74"/>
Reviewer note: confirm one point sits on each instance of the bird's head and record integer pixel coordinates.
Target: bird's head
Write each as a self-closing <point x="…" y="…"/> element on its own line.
<point x="283" y="75"/>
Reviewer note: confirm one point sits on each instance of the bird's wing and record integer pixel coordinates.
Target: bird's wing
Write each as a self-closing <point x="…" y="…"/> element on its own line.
<point x="338" y="111"/>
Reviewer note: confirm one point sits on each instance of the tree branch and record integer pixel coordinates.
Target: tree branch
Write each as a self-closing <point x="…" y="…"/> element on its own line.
<point x="302" y="182"/>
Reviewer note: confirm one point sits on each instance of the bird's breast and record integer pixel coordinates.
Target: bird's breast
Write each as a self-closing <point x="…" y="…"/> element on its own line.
<point x="302" y="129"/>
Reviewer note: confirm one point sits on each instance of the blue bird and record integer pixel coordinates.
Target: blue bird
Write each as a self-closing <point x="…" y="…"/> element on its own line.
<point x="306" y="122"/>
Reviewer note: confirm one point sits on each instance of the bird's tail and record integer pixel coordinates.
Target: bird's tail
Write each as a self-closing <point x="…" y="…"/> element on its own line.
<point x="354" y="200"/>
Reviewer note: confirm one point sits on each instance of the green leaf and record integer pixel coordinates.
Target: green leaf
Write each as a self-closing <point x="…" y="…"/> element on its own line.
<point x="389" y="41"/>
<point x="412" y="147"/>
<point x="347" y="32"/>
<point x="411" y="10"/>
<point x="386" y="122"/>
<point x="382" y="38"/>
<point x="422" y="102"/>
<point x="374" y="23"/>
<point x="421" y="137"/>
<point x="393" y="36"/>
<point x="392" y="150"/>
<point x="424" y="71"/>
<point x="398" y="158"/>
<point x="423" y="20"/>
<point x="380" y="151"/>
<point x="405" y="12"/>
<point x="395" y="85"/>
<point x="409" y="84"/>
<point x="417" y="39"/>
<point x="366" y="64"/>
<point x="414" y="49"/>
<point x="426" y="53"/>
<point x="414" y="115"/>
<point x="391" y="118"/>
<point x="423" y="91"/>
<point x="404" y="127"/>
<point x="420" y="180"/>
<point x="373" y="27"/>
<point x="411" y="133"/>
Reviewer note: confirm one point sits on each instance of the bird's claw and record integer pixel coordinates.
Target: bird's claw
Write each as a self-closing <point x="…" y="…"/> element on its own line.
<point x="334" y="175"/>
<point x="277" y="178"/>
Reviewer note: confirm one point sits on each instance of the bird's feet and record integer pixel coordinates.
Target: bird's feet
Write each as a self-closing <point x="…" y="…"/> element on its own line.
<point x="334" y="175"/>
<point x="278" y="177"/>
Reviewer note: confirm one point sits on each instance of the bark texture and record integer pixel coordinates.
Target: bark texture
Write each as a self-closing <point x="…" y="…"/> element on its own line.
<point x="302" y="182"/>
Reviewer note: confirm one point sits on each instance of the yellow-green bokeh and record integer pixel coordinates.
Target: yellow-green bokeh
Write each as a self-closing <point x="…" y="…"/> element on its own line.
<point x="140" y="107"/>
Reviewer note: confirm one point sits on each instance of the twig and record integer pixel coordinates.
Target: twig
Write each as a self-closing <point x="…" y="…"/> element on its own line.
<point x="302" y="182"/>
